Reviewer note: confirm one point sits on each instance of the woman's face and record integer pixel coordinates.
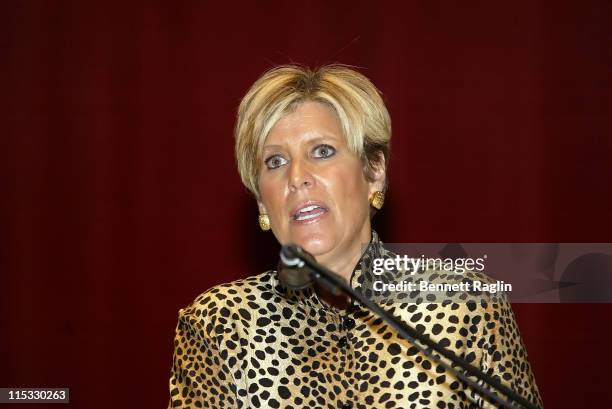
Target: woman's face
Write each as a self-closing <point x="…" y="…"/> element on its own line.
<point x="313" y="187"/>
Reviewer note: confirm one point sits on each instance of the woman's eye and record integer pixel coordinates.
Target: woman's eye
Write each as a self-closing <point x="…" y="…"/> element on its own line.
<point x="324" y="151"/>
<point x="275" y="161"/>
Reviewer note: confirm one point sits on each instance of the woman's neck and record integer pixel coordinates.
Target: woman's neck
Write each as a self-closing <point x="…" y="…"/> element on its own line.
<point x="345" y="262"/>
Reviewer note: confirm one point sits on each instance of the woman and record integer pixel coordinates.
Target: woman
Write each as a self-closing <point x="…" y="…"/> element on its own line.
<point x="312" y="146"/>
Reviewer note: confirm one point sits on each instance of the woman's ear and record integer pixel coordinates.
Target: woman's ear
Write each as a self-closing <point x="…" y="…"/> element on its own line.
<point x="378" y="174"/>
<point x="262" y="208"/>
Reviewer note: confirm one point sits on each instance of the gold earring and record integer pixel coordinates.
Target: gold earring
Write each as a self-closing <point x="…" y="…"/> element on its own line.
<point x="264" y="222"/>
<point x="377" y="200"/>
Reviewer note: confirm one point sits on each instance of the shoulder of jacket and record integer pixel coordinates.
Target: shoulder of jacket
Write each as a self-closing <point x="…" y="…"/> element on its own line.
<point x="222" y="300"/>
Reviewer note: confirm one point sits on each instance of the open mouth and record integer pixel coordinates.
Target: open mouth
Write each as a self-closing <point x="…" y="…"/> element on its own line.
<point x="309" y="212"/>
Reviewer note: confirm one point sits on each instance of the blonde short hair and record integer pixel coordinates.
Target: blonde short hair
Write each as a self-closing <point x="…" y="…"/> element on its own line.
<point x="363" y="116"/>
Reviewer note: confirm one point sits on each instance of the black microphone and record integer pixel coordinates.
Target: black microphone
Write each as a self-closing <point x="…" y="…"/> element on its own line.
<point x="292" y="271"/>
<point x="298" y="269"/>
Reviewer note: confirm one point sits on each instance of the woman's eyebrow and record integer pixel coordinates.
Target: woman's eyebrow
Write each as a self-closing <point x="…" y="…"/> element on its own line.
<point x="322" y="138"/>
<point x="272" y="147"/>
<point x="309" y="140"/>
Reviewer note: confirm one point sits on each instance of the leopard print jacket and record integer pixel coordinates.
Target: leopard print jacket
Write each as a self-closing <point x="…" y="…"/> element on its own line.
<point x="252" y="343"/>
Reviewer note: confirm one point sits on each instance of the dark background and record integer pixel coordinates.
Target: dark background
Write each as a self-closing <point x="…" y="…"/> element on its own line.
<point x="120" y="201"/>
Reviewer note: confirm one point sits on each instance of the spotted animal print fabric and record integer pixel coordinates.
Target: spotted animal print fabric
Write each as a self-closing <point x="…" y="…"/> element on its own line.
<point x="252" y="343"/>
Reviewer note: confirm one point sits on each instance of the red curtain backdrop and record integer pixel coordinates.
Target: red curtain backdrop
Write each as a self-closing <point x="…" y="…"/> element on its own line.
<point x="120" y="201"/>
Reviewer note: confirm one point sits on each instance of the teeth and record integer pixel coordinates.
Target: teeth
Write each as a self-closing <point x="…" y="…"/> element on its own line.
<point x="308" y="208"/>
<point x="308" y="216"/>
<point x="301" y="214"/>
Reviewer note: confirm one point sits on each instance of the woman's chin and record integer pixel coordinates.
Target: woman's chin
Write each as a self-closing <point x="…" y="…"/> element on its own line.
<point x="316" y="244"/>
<point x="317" y="249"/>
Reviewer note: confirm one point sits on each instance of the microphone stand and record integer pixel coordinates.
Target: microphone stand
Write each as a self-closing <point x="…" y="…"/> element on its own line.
<point x="295" y="256"/>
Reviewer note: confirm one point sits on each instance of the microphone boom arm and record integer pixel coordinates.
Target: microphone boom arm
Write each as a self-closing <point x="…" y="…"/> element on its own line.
<point x="295" y="256"/>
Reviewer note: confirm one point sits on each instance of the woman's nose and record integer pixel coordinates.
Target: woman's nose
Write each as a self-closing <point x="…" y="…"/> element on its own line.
<point x="300" y="175"/>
